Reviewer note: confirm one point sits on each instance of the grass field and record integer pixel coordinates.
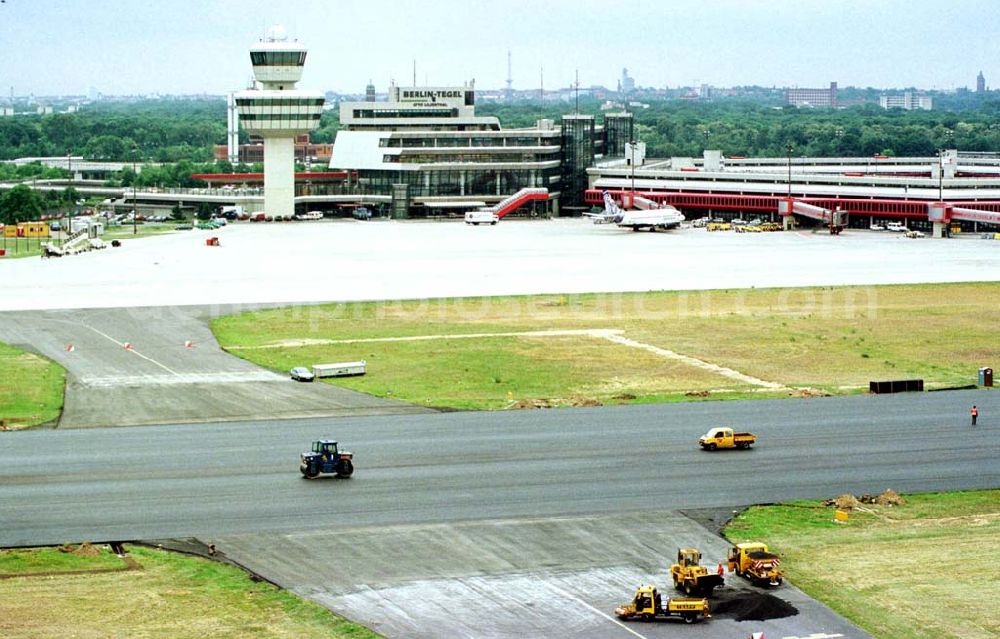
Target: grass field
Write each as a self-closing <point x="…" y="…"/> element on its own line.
<point x="926" y="568"/>
<point x="171" y="597"/>
<point x="31" y="388"/>
<point x="43" y="560"/>
<point x="809" y="340"/>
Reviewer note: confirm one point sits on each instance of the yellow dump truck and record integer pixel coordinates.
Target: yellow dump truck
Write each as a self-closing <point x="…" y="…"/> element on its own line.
<point x="648" y="605"/>
<point x="691" y="577"/>
<point x="753" y="561"/>
<point x="726" y="438"/>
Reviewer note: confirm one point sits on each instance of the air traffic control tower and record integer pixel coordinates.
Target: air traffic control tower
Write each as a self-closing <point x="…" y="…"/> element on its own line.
<point x="277" y="112"/>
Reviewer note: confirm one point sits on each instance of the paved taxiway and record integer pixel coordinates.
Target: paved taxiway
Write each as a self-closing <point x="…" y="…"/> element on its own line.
<point x="347" y="260"/>
<point x="172" y="371"/>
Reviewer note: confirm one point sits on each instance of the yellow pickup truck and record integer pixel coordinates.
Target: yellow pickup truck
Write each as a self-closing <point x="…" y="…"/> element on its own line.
<point x="726" y="438"/>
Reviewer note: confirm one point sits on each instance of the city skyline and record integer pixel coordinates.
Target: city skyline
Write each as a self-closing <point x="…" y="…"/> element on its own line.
<point x="121" y="50"/>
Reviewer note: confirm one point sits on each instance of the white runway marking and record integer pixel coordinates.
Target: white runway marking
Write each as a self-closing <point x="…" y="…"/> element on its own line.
<point x="108" y="381"/>
<point x="131" y="350"/>
<point x="599" y="612"/>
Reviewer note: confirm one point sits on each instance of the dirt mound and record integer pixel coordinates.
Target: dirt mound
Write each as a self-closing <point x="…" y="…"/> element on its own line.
<point x="809" y="392"/>
<point x="747" y="605"/>
<point x="554" y="403"/>
<point x="625" y="396"/>
<point x="86" y="549"/>
<point x="890" y="498"/>
<point x="844" y="502"/>
<point x="701" y="393"/>
<point x="849" y="502"/>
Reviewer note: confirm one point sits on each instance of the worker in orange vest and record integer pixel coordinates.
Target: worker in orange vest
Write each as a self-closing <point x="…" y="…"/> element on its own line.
<point x="721" y="571"/>
<point x="974" y="413"/>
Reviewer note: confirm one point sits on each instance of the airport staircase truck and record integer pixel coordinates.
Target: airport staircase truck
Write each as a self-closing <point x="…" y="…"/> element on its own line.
<point x="493" y="214"/>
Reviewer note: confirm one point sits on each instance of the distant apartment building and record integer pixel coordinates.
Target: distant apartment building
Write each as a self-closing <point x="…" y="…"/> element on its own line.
<point x="980" y="83"/>
<point x="627" y="83"/>
<point x="906" y="100"/>
<point x="816" y="98"/>
<point x="6" y="111"/>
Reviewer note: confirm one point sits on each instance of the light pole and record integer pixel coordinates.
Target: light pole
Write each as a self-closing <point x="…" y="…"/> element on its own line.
<point x="941" y="175"/>
<point x="788" y="150"/>
<point x="69" y="165"/>
<point x="632" y="147"/>
<point x="135" y="179"/>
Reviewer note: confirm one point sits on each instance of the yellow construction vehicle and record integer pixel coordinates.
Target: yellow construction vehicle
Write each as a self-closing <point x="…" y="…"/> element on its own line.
<point x="691" y="577"/>
<point x="726" y="438"/>
<point x="753" y="561"/>
<point x="647" y="605"/>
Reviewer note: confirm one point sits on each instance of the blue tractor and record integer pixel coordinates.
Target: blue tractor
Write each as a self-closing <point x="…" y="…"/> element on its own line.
<point x="325" y="458"/>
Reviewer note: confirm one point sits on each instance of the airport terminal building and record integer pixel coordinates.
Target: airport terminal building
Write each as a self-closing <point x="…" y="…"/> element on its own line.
<point x="425" y="152"/>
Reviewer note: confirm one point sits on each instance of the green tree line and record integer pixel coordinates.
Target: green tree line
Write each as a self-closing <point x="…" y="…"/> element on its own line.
<point x="750" y="128"/>
<point x="24" y="204"/>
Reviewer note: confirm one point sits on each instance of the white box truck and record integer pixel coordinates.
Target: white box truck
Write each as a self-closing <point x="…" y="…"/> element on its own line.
<point x="341" y="369"/>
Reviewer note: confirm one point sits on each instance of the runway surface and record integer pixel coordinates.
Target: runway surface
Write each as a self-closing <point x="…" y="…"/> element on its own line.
<point x="440" y="476"/>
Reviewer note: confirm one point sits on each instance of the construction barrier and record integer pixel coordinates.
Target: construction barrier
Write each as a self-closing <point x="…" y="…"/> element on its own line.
<point x="897" y="386"/>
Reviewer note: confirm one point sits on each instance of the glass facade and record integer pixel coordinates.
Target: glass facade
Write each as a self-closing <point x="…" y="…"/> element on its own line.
<point x="577" y="155"/>
<point x="279" y="113"/>
<point x="405" y="113"/>
<point x="277" y="58"/>
<point x="618" y="130"/>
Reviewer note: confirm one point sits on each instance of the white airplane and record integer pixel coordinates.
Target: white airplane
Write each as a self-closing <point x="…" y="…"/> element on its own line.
<point x="647" y="215"/>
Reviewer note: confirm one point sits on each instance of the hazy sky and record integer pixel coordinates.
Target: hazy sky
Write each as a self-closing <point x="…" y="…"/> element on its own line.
<point x="193" y="46"/>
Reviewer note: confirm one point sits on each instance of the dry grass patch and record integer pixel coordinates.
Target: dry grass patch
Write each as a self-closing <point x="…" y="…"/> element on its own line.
<point x="926" y="568"/>
<point x="832" y="340"/>
<point x="480" y="372"/>
<point x="172" y="597"/>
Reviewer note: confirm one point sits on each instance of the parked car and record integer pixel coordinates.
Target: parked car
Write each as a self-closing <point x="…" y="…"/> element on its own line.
<point x="482" y="216"/>
<point x="301" y="374"/>
<point x="362" y="213"/>
<point x="876" y="227"/>
<point x="896" y="226"/>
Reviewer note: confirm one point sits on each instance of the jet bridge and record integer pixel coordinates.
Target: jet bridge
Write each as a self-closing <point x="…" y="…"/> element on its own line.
<point x="836" y="220"/>
<point x="942" y="213"/>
